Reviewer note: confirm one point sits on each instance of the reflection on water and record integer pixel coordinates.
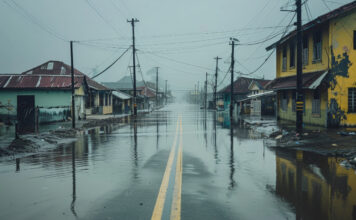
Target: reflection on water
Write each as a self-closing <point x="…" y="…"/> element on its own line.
<point x="317" y="186"/>
<point x="74" y="194"/>
<point x="232" y="161"/>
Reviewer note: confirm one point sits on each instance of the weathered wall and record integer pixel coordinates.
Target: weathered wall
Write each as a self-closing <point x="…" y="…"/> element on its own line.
<point x="343" y="69"/>
<point x="54" y="105"/>
<point x="308" y="117"/>
<point x="311" y="66"/>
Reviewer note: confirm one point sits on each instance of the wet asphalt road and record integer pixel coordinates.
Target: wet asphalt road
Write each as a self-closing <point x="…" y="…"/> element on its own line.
<point x="176" y="163"/>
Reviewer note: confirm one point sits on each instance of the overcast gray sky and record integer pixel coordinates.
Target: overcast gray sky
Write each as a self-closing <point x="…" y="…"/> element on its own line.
<point x="181" y="37"/>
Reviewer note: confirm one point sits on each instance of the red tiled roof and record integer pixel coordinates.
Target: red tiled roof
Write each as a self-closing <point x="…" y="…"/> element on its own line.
<point x="290" y="82"/>
<point x="60" y="68"/>
<point x="319" y="20"/>
<point x="17" y="81"/>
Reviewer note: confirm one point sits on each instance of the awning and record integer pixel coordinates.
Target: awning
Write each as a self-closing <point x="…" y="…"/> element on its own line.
<point x="310" y="81"/>
<point x="121" y="95"/>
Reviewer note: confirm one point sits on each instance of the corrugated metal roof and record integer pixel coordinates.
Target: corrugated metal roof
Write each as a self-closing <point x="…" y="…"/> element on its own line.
<point x="121" y="95"/>
<point x="241" y="85"/>
<point x="290" y="82"/>
<point x="59" y="68"/>
<point x="17" y="81"/>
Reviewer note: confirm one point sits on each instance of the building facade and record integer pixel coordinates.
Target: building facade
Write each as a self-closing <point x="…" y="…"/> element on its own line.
<point x="329" y="72"/>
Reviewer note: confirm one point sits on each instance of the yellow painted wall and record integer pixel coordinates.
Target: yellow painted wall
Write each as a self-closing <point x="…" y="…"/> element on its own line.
<point x="107" y="109"/>
<point x="308" y="117"/>
<point x="341" y="39"/>
<point x="311" y="66"/>
<point x="80" y="91"/>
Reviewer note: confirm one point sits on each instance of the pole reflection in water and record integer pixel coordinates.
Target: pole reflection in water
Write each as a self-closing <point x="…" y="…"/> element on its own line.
<point x="135" y="143"/>
<point x="17" y="164"/>
<point x="232" y="161"/>
<point x="74" y="194"/>
<point x="299" y="158"/>
<point x="215" y="146"/>
<point x="157" y="133"/>
<point x="205" y="133"/>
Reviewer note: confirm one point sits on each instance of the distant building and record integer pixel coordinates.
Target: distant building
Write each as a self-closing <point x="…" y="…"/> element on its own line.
<point x="44" y="94"/>
<point x="329" y="70"/>
<point x="242" y="87"/>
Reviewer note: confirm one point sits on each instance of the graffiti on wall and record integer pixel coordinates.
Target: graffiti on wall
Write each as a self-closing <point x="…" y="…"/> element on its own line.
<point x="335" y="114"/>
<point x="339" y="67"/>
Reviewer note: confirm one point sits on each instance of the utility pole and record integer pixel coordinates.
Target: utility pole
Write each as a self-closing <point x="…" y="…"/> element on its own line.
<point x="72" y="76"/>
<point x="132" y="21"/>
<point x="157" y="86"/>
<point x="299" y="95"/>
<point x="216" y="79"/>
<point x="232" y="76"/>
<point x="206" y="92"/>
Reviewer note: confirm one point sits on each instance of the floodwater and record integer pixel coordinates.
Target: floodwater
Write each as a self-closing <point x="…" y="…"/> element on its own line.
<point x="116" y="172"/>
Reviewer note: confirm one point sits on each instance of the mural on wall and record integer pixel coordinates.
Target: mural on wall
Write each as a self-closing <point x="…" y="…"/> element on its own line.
<point x="335" y="114"/>
<point x="339" y="67"/>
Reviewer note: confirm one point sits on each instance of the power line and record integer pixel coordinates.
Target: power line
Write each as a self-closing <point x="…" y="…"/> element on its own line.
<point x="101" y="16"/>
<point x="23" y="12"/>
<point x="111" y="64"/>
<point x="177" y="61"/>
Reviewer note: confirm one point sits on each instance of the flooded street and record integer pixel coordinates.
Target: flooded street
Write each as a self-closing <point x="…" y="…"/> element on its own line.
<point x="121" y="172"/>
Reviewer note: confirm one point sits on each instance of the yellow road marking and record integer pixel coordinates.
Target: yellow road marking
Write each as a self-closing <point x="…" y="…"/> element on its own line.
<point x="177" y="194"/>
<point x="158" y="209"/>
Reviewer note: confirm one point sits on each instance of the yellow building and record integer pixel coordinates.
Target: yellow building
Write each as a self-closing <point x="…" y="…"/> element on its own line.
<point x="329" y="71"/>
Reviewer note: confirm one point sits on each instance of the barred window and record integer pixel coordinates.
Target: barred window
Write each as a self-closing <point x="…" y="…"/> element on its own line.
<point x="305" y="50"/>
<point x="284" y="59"/>
<point x="284" y="103"/>
<point x="317" y="46"/>
<point x="294" y="94"/>
<point x="352" y="100"/>
<point x="354" y="40"/>
<point x="316" y="102"/>
<point x="292" y="54"/>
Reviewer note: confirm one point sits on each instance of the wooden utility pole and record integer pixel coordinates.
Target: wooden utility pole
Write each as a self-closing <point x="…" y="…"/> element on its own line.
<point x="72" y="76"/>
<point x="299" y="95"/>
<point x="132" y="21"/>
<point x="232" y="76"/>
<point x="216" y="79"/>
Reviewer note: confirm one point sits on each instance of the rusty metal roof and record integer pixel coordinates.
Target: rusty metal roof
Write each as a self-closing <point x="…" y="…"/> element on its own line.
<point x="318" y="21"/>
<point x="18" y="81"/>
<point x="242" y="84"/>
<point x="290" y="82"/>
<point x="53" y="67"/>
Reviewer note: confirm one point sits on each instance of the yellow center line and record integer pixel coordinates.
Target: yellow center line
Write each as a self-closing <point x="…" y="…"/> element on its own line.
<point x="177" y="194"/>
<point x="158" y="209"/>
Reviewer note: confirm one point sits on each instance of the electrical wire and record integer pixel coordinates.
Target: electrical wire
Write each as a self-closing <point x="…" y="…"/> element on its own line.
<point x="29" y="17"/>
<point x="111" y="64"/>
<point x="102" y="17"/>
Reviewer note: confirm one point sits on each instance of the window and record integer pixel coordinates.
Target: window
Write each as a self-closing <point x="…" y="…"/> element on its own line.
<point x="352" y="100"/>
<point x="354" y="40"/>
<point x="316" y="102"/>
<point x="317" y="46"/>
<point x="284" y="103"/>
<point x="292" y="55"/>
<point x="305" y="50"/>
<point x="293" y="101"/>
<point x="50" y="66"/>
<point x="284" y="59"/>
